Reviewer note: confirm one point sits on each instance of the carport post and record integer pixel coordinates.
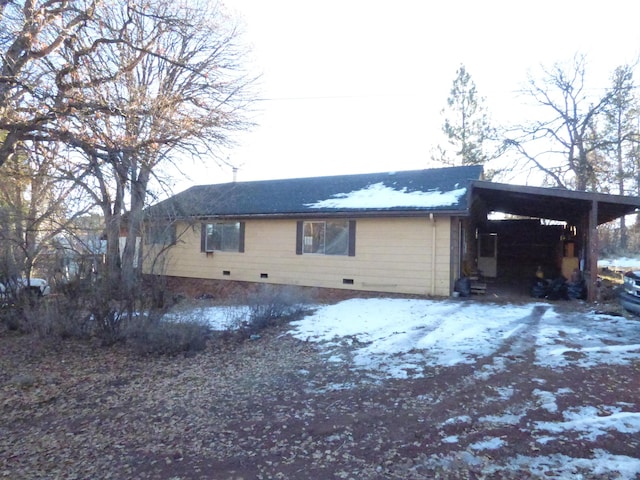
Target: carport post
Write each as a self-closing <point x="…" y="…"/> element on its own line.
<point x="593" y="252"/>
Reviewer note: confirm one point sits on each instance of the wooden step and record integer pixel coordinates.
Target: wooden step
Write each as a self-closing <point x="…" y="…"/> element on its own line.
<point x="478" y="288"/>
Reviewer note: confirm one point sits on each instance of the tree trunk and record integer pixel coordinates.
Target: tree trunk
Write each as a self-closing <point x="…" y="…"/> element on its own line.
<point x="131" y="261"/>
<point x="623" y="226"/>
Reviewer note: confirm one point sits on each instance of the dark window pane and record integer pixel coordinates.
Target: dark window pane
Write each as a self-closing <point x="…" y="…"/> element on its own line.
<point x="223" y="236"/>
<point x="326" y="238"/>
<point x="313" y="237"/>
<point x="337" y="238"/>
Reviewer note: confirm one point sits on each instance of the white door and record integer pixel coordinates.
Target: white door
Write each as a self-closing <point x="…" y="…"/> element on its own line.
<point x="488" y="254"/>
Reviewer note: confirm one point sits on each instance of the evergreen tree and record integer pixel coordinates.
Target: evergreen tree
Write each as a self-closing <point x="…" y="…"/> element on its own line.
<point x="621" y="131"/>
<point x="466" y="124"/>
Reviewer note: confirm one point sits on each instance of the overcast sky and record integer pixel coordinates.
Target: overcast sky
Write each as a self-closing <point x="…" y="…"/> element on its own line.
<point x="355" y="86"/>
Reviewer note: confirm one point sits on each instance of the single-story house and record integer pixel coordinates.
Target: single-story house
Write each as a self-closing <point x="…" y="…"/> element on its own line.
<point x="412" y="232"/>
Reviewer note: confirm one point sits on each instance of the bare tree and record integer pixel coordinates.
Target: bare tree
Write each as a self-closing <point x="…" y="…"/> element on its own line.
<point x="36" y="206"/>
<point x="122" y="88"/>
<point x="32" y="33"/>
<point x="170" y="85"/>
<point x="563" y="145"/>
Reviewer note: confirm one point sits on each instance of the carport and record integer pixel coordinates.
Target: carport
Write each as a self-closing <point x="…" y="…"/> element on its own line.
<point x="582" y="212"/>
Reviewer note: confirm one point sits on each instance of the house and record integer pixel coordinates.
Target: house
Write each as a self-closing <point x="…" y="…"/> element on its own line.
<point x="411" y="232"/>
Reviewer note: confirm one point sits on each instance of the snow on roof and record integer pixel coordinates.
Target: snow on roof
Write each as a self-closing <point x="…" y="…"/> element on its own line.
<point x="379" y="195"/>
<point x="415" y="190"/>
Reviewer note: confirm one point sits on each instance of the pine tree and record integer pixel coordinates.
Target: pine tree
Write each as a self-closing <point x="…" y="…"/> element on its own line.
<point x="621" y="133"/>
<point x="466" y="124"/>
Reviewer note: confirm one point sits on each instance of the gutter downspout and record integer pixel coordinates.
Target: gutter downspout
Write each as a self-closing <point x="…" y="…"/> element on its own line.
<point x="433" y="255"/>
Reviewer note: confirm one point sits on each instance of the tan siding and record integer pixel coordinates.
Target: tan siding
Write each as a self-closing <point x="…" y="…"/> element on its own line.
<point x="392" y="255"/>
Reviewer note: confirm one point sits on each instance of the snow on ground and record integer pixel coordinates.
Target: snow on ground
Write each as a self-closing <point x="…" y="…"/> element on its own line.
<point x="399" y="338"/>
<point x="397" y="332"/>
<point x="217" y="317"/>
<point x="590" y="422"/>
<point x="396" y="337"/>
<point x="404" y="338"/>
<point x="621" y="263"/>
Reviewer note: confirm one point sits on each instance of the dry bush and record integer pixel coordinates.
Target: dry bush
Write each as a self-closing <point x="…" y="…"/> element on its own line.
<point x="11" y="318"/>
<point x="137" y="322"/>
<point x="159" y="337"/>
<point x="273" y="304"/>
<point x="51" y="318"/>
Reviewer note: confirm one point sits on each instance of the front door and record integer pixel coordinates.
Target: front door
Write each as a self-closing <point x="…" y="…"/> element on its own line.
<point x="488" y="254"/>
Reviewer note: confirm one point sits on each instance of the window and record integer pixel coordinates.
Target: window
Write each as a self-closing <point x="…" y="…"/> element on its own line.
<point x="160" y="234"/>
<point x="488" y="242"/>
<point x="326" y="237"/>
<point x="222" y="236"/>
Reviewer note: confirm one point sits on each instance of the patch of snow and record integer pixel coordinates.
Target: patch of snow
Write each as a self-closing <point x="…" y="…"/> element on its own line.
<point x="625" y="263"/>
<point x="490" y="444"/>
<point x="450" y="439"/>
<point x="217" y="317"/>
<point x="336" y="387"/>
<point x="558" y="466"/>
<point x="593" y="422"/>
<point x="505" y="392"/>
<point x="499" y="364"/>
<point x="601" y="349"/>
<point x="378" y="195"/>
<point x="587" y="340"/>
<point x="506" y="419"/>
<point x="545" y="440"/>
<point x="397" y="334"/>
<point x="511" y="332"/>
<point x="605" y="463"/>
<point x="459" y="419"/>
<point x="401" y="337"/>
<point x="547" y="400"/>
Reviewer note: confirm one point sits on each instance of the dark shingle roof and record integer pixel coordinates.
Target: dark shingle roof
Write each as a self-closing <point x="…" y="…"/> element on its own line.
<point x="431" y="190"/>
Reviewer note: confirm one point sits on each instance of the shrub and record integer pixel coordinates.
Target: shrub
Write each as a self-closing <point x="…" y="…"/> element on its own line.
<point x="271" y="304"/>
<point x="53" y="317"/>
<point x="160" y="337"/>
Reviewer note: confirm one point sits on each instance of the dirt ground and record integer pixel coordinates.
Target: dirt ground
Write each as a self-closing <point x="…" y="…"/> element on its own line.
<point x="276" y="408"/>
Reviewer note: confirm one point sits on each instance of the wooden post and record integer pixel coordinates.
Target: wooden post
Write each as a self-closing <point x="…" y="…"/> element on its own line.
<point x="592" y="251"/>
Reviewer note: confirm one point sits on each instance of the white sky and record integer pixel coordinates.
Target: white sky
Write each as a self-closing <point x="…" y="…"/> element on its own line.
<point x="356" y="86"/>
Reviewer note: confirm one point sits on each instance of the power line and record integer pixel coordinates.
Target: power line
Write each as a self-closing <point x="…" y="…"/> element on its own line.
<point x="340" y="97"/>
<point x="520" y="91"/>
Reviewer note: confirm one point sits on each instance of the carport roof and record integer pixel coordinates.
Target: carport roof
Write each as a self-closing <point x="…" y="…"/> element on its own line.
<point x="552" y="203"/>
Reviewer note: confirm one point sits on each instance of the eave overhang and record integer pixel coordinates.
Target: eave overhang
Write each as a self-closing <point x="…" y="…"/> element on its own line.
<point x="552" y="203"/>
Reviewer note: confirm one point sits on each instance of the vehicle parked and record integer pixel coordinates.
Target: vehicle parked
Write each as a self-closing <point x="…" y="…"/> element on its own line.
<point x="630" y="294"/>
<point x="37" y="287"/>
